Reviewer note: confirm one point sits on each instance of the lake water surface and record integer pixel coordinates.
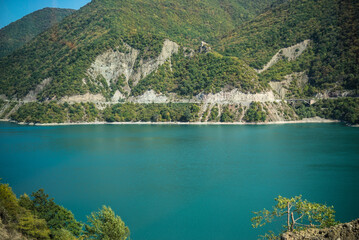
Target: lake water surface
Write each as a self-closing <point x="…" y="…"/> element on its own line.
<point x="176" y="182"/>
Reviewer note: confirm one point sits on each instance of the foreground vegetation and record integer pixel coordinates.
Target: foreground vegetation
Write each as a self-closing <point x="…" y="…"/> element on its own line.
<point x="298" y="213"/>
<point x="39" y="217"/>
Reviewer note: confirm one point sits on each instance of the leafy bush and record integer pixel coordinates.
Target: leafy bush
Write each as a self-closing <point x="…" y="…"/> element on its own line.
<point x="105" y="225"/>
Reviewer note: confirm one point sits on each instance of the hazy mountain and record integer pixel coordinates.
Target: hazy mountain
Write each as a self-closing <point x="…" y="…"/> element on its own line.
<point x="16" y="34"/>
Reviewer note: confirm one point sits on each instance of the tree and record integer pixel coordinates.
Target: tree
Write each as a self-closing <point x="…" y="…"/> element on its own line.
<point x="105" y="225"/>
<point x="9" y="207"/>
<point x="255" y="113"/>
<point x="32" y="226"/>
<point x="299" y="213"/>
<point x="25" y="202"/>
<point x="63" y="234"/>
<point x="57" y="217"/>
<point x="17" y="217"/>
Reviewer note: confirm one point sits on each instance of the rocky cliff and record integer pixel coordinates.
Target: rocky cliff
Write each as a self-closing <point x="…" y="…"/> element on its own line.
<point x="344" y="231"/>
<point x="290" y="53"/>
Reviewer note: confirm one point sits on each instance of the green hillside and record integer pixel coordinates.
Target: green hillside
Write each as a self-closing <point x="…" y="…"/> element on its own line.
<point x="208" y="73"/>
<point x="16" y="34"/>
<point x="333" y="26"/>
<point x="65" y="51"/>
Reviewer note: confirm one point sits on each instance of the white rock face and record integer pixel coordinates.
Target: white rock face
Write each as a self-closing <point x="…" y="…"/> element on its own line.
<point x="146" y="67"/>
<point x="281" y="87"/>
<point x="235" y="97"/>
<point x="118" y="96"/>
<point x="32" y="95"/>
<point x="88" y="97"/>
<point x="112" y="64"/>
<point x="223" y="97"/>
<point x="302" y="78"/>
<point x="290" y="53"/>
<point x="3" y="97"/>
<point x="150" y="97"/>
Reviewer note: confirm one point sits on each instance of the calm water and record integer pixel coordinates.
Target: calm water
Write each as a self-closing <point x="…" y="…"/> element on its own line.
<point x="184" y="182"/>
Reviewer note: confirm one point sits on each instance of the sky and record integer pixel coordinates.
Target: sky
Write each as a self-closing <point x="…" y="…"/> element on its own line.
<point x="12" y="10"/>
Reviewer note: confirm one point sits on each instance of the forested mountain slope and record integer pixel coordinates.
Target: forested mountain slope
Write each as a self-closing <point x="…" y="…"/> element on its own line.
<point x="66" y="51"/>
<point x="191" y="61"/>
<point x="18" y="33"/>
<point x="332" y="26"/>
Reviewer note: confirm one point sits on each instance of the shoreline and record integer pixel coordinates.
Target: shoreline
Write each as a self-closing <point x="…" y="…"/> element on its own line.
<point x="306" y="120"/>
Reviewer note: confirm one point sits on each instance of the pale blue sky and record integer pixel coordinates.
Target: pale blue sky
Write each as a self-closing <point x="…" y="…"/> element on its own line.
<point x="12" y="10"/>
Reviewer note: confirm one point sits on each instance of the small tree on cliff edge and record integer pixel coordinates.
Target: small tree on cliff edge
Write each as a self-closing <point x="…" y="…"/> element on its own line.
<point x="299" y="214"/>
<point x="105" y="225"/>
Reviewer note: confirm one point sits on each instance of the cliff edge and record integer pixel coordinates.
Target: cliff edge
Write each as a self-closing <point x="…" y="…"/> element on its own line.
<point x="344" y="231"/>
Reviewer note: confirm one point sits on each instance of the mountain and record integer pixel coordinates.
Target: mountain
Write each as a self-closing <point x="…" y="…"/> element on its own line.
<point x="17" y="34"/>
<point x="65" y="52"/>
<point x="215" y="60"/>
<point x="331" y="26"/>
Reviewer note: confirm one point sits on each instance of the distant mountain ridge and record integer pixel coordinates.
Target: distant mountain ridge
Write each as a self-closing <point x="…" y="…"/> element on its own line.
<point x="18" y="33"/>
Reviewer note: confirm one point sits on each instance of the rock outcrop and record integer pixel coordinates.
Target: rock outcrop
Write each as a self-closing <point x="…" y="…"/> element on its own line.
<point x="32" y="95"/>
<point x="235" y="96"/>
<point x="282" y="87"/>
<point x="88" y="97"/>
<point x="279" y="112"/>
<point x="150" y="97"/>
<point x="148" y="66"/>
<point x="344" y="231"/>
<point x="204" y="48"/>
<point x="113" y="64"/>
<point x="291" y="53"/>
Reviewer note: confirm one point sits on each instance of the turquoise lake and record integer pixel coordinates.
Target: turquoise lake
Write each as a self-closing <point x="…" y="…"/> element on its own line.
<point x="176" y="182"/>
